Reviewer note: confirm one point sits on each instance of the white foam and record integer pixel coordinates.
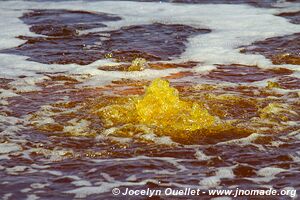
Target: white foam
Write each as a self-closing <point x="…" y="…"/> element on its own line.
<point x="16" y="170"/>
<point x="38" y="185"/>
<point x="210" y="182"/>
<point x="242" y="141"/>
<point x="231" y="25"/>
<point x="81" y="183"/>
<point x="214" y="181"/>
<point x="3" y="102"/>
<point x="158" y="139"/>
<point x="74" y="177"/>
<point x="270" y="171"/>
<point x="4" y="157"/>
<point x="52" y="172"/>
<point x="266" y="174"/>
<point x="77" y="126"/>
<point x="107" y="177"/>
<point x="12" y="25"/>
<point x="7" y="93"/>
<point x="164" y="172"/>
<point x="32" y="197"/>
<point x="221" y="198"/>
<point x="7" y="196"/>
<point x="131" y="178"/>
<point x="225" y="172"/>
<point x="293" y="194"/>
<point x="83" y="192"/>
<point x="8" y="147"/>
<point x="27" y="84"/>
<point x="201" y="156"/>
<point x="25" y="190"/>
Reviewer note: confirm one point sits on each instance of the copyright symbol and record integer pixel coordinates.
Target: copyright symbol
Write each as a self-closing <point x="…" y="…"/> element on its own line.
<point x="116" y="191"/>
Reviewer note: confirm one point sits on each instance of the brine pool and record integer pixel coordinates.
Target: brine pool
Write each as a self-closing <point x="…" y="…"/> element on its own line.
<point x="141" y="95"/>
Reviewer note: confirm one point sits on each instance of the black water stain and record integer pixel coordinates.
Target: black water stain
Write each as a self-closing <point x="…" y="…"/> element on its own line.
<point x="62" y="42"/>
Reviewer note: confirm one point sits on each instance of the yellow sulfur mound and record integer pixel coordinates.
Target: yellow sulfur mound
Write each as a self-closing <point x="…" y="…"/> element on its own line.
<point x="276" y="112"/>
<point x="272" y="85"/>
<point x="138" y="64"/>
<point x="162" y="108"/>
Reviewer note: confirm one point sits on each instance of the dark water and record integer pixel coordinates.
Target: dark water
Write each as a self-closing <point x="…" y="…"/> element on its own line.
<point x="64" y="44"/>
<point x="58" y="160"/>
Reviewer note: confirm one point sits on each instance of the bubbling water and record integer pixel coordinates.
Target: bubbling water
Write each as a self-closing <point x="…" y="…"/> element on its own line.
<point x="161" y="107"/>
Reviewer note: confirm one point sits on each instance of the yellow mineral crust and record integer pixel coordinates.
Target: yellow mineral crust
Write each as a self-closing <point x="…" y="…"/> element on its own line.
<point x="277" y="112"/>
<point x="138" y="64"/>
<point x="272" y="84"/>
<point x="160" y="107"/>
